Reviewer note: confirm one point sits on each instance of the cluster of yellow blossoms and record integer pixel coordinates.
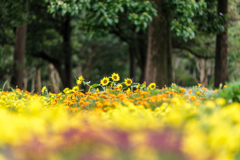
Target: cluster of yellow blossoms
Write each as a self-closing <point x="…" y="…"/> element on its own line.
<point x="113" y="123"/>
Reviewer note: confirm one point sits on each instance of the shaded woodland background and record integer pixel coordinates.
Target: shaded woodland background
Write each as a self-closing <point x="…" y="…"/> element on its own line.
<point x="52" y="42"/>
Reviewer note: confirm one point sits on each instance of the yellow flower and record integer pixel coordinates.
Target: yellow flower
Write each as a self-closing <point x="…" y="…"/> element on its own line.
<point x="115" y="77"/>
<point x="128" y="82"/>
<point x="105" y="81"/>
<point x="66" y="90"/>
<point x="144" y="85"/>
<point x="128" y="91"/>
<point x="119" y="86"/>
<point x="152" y="86"/>
<point x="138" y="86"/>
<point x="199" y="84"/>
<point x="43" y="89"/>
<point x="220" y="101"/>
<point x="78" y="82"/>
<point x="80" y="79"/>
<point x="75" y="88"/>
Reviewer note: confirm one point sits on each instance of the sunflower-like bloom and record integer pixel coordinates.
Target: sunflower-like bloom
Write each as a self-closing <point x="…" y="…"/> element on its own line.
<point x="75" y="88"/>
<point x="128" y="82"/>
<point x="152" y="86"/>
<point x="105" y="81"/>
<point x="115" y="77"/>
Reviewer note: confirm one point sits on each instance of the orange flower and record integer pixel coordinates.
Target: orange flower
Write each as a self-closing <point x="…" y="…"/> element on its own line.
<point x="73" y="109"/>
<point x="182" y="89"/>
<point x="18" y="89"/>
<point x="198" y="92"/>
<point x="107" y="103"/>
<point x="99" y="104"/>
<point x="104" y="96"/>
<point x="85" y="104"/>
<point x="192" y="97"/>
<point x="199" y="84"/>
<point x="168" y="92"/>
<point x="190" y="91"/>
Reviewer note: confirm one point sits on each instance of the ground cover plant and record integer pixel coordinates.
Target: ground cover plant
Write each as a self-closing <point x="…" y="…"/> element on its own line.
<point x="119" y="119"/>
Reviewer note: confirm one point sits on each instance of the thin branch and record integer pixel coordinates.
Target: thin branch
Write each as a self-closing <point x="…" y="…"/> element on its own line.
<point x="46" y="57"/>
<point x="195" y="54"/>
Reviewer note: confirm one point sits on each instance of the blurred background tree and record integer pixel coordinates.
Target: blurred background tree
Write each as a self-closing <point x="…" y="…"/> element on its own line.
<point x="155" y="41"/>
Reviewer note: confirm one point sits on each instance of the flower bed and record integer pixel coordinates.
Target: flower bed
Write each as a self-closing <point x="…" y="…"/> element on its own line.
<point x="118" y="121"/>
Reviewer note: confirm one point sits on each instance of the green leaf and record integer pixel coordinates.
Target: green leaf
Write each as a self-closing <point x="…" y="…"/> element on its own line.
<point x="95" y="85"/>
<point x="110" y="21"/>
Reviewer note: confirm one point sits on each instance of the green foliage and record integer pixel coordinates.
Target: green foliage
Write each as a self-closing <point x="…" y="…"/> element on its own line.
<point x="99" y="56"/>
<point x="182" y="14"/>
<point x="106" y="13"/>
<point x="231" y="93"/>
<point x="6" y="54"/>
<point x="11" y="12"/>
<point x="234" y="54"/>
<point x="209" y="21"/>
<point x="11" y="15"/>
<point x="189" y="17"/>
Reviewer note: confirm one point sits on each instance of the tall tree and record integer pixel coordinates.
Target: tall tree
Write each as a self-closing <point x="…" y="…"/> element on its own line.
<point x="19" y="53"/>
<point x="104" y="15"/>
<point x="184" y="18"/>
<point x="172" y="15"/>
<point x="158" y="52"/>
<point x="221" y="58"/>
<point x="13" y="15"/>
<point x="19" y="56"/>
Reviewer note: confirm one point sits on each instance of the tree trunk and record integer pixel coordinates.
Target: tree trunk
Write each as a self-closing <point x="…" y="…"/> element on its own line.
<point x="7" y="77"/>
<point x="57" y="80"/>
<point x="142" y="51"/>
<point x="19" y="56"/>
<point x="25" y="80"/>
<point x="33" y="83"/>
<point x="169" y="55"/>
<point x="158" y="52"/>
<point x="133" y="66"/>
<point x="221" y="61"/>
<point x="39" y="81"/>
<point x="66" y="33"/>
<point x="52" y="79"/>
